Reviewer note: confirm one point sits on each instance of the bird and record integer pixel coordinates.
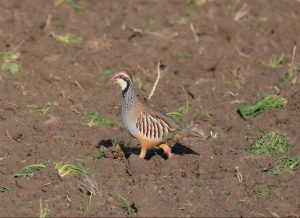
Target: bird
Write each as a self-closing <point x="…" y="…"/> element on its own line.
<point x="151" y="127"/>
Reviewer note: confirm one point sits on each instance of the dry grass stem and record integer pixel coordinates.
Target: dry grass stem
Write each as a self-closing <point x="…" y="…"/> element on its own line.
<point x="242" y="13"/>
<point x="238" y="174"/>
<point x="194" y="32"/>
<point x="156" y="82"/>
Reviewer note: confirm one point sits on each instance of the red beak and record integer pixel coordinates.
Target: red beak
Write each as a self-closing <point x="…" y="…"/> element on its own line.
<point x="114" y="79"/>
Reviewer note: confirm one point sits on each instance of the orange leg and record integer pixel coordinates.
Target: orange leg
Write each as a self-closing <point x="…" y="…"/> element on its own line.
<point x="166" y="149"/>
<point x="143" y="152"/>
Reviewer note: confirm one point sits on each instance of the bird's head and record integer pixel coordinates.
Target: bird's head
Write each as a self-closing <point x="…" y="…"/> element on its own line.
<point x="122" y="79"/>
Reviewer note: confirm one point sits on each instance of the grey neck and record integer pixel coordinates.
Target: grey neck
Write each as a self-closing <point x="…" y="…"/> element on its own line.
<point x="129" y="98"/>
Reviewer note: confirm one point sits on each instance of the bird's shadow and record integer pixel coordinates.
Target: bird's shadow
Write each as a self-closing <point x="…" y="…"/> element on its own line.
<point x="177" y="149"/>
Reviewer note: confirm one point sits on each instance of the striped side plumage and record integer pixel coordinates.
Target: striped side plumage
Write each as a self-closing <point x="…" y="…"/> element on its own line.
<point x="152" y="126"/>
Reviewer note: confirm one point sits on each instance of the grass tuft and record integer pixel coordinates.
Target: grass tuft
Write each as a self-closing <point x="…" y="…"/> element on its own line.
<point x="137" y="80"/>
<point x="68" y="169"/>
<point x="267" y="103"/>
<point x="27" y="171"/>
<point x="130" y="208"/>
<point x="95" y="119"/>
<point x="275" y="61"/>
<point x="107" y="74"/>
<point x="274" y="144"/>
<point x="44" y="211"/>
<point x="177" y="115"/>
<point x="68" y="38"/>
<point x="77" y="7"/>
<point x="41" y="109"/>
<point x="100" y="154"/>
<point x="4" y="189"/>
<point x="282" y="164"/>
<point x="9" y="62"/>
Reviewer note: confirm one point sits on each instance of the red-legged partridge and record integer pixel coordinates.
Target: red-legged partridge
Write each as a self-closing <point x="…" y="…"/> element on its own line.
<point x="151" y="127"/>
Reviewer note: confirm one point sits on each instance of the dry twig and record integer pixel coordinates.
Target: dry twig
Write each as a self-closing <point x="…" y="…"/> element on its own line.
<point x="194" y="32"/>
<point x="245" y="9"/>
<point x="156" y="82"/>
<point x="238" y="174"/>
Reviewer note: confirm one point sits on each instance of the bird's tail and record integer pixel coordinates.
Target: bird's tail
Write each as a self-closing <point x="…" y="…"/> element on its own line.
<point x="189" y="132"/>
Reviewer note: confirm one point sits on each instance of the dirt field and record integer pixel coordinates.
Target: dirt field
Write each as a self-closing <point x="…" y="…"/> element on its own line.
<point x="217" y="50"/>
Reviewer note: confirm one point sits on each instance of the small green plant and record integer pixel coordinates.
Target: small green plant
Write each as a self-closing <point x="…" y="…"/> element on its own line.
<point x="27" y="172"/>
<point x="255" y="191"/>
<point x="290" y="76"/>
<point x="137" y="80"/>
<point x="177" y="115"/>
<point x="64" y="140"/>
<point x="9" y="62"/>
<point x="274" y="144"/>
<point x="69" y="169"/>
<point x="68" y="38"/>
<point x="267" y="191"/>
<point x="77" y="7"/>
<point x="226" y="192"/>
<point x="100" y="154"/>
<point x="282" y="164"/>
<point x="44" y="211"/>
<point x="55" y="77"/>
<point x="41" y="109"/>
<point x="4" y="189"/>
<point x="107" y="74"/>
<point x="275" y="61"/>
<point x="9" y="56"/>
<point x="184" y="20"/>
<point x="266" y="103"/>
<point x="127" y="206"/>
<point x="12" y="68"/>
<point x="95" y="119"/>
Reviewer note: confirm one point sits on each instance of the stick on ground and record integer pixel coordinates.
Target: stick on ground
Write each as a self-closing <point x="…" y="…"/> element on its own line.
<point x="156" y="82"/>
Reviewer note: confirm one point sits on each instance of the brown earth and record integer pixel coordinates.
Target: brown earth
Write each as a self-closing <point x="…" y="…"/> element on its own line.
<point x="218" y="64"/>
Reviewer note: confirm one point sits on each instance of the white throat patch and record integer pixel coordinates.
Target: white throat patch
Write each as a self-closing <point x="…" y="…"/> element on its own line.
<point x="122" y="83"/>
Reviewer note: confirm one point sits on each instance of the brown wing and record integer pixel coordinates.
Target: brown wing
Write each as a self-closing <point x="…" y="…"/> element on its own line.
<point x="153" y="126"/>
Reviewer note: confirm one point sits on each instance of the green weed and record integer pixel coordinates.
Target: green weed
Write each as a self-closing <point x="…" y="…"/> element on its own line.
<point x="55" y="77"/>
<point x="44" y="211"/>
<point x="267" y="191"/>
<point x="282" y="164"/>
<point x="64" y="140"/>
<point x="27" y="171"/>
<point x="266" y="103"/>
<point x="274" y="144"/>
<point x="290" y="76"/>
<point x="68" y="169"/>
<point x="275" y="61"/>
<point x="184" y="20"/>
<point x="9" y="62"/>
<point x="100" y="154"/>
<point x="41" y="109"/>
<point x="68" y="38"/>
<point x="253" y="190"/>
<point x="4" y="189"/>
<point x="127" y="206"/>
<point x="12" y="68"/>
<point x="95" y="119"/>
<point x="226" y="192"/>
<point x="177" y="115"/>
<point x="77" y="7"/>
<point x="107" y="74"/>
<point x="8" y="57"/>
<point x="137" y="80"/>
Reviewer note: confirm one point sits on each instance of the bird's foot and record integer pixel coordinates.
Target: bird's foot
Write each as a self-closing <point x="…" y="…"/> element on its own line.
<point x="167" y="150"/>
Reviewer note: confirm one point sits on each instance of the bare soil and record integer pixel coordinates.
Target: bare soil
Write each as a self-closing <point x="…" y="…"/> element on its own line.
<point x="212" y="50"/>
